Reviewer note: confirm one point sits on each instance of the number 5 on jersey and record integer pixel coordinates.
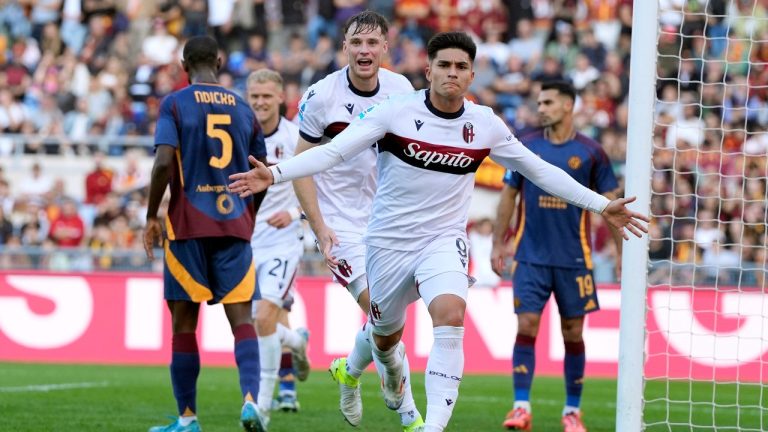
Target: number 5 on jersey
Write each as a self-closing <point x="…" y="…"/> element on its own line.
<point x="211" y="121"/>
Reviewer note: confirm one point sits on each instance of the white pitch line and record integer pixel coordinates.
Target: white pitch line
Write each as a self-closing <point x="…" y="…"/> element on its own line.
<point x="52" y="387"/>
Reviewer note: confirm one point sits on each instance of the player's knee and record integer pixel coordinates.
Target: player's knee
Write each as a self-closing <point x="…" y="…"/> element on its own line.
<point x="386" y="342"/>
<point x="528" y="324"/>
<point x="266" y="317"/>
<point x="453" y="317"/>
<point x="447" y="310"/>
<point x="572" y="329"/>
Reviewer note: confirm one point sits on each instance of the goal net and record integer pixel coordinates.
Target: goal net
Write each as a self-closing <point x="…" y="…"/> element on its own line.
<point x="706" y="319"/>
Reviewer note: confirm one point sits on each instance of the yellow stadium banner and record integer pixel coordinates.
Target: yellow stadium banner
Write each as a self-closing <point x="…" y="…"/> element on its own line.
<point x="490" y="175"/>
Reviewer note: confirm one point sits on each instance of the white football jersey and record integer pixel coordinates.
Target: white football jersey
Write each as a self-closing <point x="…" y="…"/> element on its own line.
<point x="426" y="167"/>
<point x="281" y="145"/>
<point x="344" y="192"/>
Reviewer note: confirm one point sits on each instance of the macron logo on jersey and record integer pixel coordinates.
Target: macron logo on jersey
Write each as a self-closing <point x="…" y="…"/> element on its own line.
<point x="310" y="94"/>
<point x="433" y="157"/>
<point x="419" y="124"/>
<point x="349" y="107"/>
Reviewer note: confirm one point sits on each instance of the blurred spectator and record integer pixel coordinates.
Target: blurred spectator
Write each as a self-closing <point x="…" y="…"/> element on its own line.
<point x="68" y="229"/>
<point x="6" y="199"/>
<point x="159" y="47"/>
<point x="563" y="47"/>
<point x="11" y="113"/>
<point x="73" y="32"/>
<point x="98" y="183"/>
<point x="592" y="48"/>
<point x="323" y="23"/>
<point x="6" y="227"/>
<point x="583" y="72"/>
<point x="686" y="131"/>
<point x="526" y="45"/>
<point x="132" y="177"/>
<point x="36" y="185"/>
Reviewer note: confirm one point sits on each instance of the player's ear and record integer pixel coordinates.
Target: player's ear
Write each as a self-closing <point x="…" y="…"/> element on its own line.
<point x="568" y="103"/>
<point x="427" y="72"/>
<point x="218" y="63"/>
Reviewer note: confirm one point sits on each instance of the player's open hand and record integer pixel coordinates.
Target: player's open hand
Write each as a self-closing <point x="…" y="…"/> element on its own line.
<point x="251" y="182"/>
<point x="326" y="240"/>
<point x="617" y="214"/>
<point x="153" y="235"/>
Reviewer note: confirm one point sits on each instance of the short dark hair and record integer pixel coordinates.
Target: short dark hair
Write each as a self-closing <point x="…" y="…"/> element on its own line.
<point x="367" y="21"/>
<point x="201" y="51"/>
<point x="445" y="40"/>
<point x="562" y="87"/>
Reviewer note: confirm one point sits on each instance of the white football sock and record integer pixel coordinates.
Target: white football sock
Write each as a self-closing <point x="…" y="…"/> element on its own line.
<point x="269" y="356"/>
<point x="571" y="409"/>
<point x="526" y="405"/>
<point x="289" y="338"/>
<point x="389" y="364"/>
<point x="361" y="355"/>
<point x="445" y="368"/>
<point x="186" y="420"/>
<point x="408" y="411"/>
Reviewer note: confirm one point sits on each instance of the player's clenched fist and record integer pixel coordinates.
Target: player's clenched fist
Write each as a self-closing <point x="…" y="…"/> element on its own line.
<point x="254" y="181"/>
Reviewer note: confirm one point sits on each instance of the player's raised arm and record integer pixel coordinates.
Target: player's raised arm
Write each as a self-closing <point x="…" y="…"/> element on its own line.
<point x="258" y="197"/>
<point x="515" y="156"/>
<point x="359" y="136"/>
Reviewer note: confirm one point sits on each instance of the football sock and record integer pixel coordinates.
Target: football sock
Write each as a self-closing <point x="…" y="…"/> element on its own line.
<point x="408" y="411"/>
<point x="247" y="359"/>
<point x="523" y="366"/>
<point x="289" y="338"/>
<point x="361" y="356"/>
<point x="185" y="368"/>
<point x="573" y="366"/>
<point x="269" y="354"/>
<point x="389" y="364"/>
<point x="187" y="420"/>
<point x="445" y="368"/>
<point x="287" y="375"/>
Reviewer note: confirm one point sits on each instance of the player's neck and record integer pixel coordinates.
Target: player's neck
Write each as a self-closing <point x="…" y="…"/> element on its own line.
<point x="363" y="84"/>
<point x="203" y="77"/>
<point x="268" y="127"/>
<point x="560" y="133"/>
<point x="444" y="104"/>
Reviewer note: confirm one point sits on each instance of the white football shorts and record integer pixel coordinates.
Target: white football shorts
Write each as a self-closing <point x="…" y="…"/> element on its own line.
<point x="276" y="272"/>
<point x="398" y="278"/>
<point x="350" y="273"/>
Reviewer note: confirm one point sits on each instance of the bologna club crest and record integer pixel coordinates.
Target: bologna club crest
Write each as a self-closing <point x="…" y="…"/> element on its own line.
<point x="468" y="133"/>
<point x="344" y="268"/>
<point x="375" y="312"/>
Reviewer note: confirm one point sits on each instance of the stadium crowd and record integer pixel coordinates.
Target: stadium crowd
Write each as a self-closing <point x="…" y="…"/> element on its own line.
<point x="71" y="70"/>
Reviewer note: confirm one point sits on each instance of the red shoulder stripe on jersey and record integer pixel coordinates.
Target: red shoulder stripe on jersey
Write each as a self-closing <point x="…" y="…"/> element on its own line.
<point x="433" y="157"/>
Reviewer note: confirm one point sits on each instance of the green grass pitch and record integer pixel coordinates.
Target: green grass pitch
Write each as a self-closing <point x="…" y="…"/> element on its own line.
<point x="88" y="398"/>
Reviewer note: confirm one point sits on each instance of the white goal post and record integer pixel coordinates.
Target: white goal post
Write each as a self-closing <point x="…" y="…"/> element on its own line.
<point x="634" y="264"/>
<point x="693" y="349"/>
